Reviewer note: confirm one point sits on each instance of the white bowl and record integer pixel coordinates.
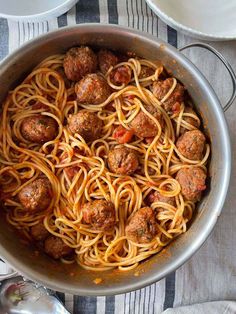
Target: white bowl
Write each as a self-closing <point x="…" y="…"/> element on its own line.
<point x="34" y="10"/>
<point x="204" y="19"/>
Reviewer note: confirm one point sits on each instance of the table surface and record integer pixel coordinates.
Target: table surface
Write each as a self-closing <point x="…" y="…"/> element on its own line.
<point x="210" y="274"/>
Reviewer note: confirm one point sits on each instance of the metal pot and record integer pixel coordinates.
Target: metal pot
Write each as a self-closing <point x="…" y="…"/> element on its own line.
<point x="71" y="278"/>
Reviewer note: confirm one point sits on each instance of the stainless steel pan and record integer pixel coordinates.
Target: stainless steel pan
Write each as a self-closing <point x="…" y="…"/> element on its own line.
<point x="72" y="279"/>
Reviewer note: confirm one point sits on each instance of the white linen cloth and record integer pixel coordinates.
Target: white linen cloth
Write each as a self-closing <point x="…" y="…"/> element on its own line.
<point x="224" y="307"/>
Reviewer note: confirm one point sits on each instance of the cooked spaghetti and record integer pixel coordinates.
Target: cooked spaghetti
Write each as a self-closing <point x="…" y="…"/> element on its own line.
<point x="102" y="160"/>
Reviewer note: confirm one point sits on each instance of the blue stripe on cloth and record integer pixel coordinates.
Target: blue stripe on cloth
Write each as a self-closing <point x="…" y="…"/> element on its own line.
<point x="85" y="305"/>
<point x="132" y="13"/>
<point x="110" y="305"/>
<point x="130" y="302"/>
<point x="141" y="305"/>
<point x="60" y="296"/>
<point x="142" y="13"/>
<point x="146" y="11"/>
<point x="87" y="12"/>
<point x="144" y="299"/>
<point x="169" y="291"/>
<point x="62" y="20"/>
<point x="149" y="297"/>
<point x="153" y="306"/>
<point x="18" y="30"/>
<point x="152" y="15"/>
<point x="33" y="30"/>
<point x="112" y="11"/>
<point x="127" y="10"/>
<point x="4" y="38"/>
<point x="172" y="36"/>
<point x="170" y="279"/>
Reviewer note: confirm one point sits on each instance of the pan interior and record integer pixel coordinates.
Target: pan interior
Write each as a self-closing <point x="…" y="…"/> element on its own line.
<point x="71" y="278"/>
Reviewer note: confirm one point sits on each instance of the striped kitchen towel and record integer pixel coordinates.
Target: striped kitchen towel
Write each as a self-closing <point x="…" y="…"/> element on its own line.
<point x="211" y="273"/>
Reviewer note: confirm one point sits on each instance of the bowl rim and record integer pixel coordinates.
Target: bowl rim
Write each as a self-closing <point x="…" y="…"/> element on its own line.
<point x="44" y="15"/>
<point x="185" y="29"/>
<point x="180" y="260"/>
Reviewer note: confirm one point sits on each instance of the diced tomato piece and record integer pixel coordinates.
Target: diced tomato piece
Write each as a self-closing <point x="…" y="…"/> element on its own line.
<point x="131" y="97"/>
<point x="123" y="135"/>
<point x="176" y="107"/>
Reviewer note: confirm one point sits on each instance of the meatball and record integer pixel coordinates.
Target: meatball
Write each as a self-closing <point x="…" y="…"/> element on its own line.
<point x="191" y="144"/>
<point x="156" y="196"/>
<point x="189" y="120"/>
<point x="56" y="248"/>
<point x="142" y="227"/>
<point x="100" y="214"/>
<point x="123" y="160"/>
<point x="87" y="124"/>
<point x="36" y="196"/>
<point x="121" y="75"/>
<point x="39" y="232"/>
<point x="173" y="102"/>
<point x="92" y="89"/>
<point x="78" y="62"/>
<point x="192" y="182"/>
<point x="145" y="72"/>
<point x="39" y="129"/>
<point x="106" y="59"/>
<point x="144" y="126"/>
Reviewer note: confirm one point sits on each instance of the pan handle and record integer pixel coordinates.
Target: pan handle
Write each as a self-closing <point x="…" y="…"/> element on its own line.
<point x="225" y="63"/>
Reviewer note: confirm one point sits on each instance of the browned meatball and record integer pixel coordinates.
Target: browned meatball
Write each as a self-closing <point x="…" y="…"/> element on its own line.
<point x="121" y="75"/>
<point x="56" y="248"/>
<point x="123" y="160"/>
<point x="92" y="89"/>
<point x="39" y="129"/>
<point x="142" y="227"/>
<point x="78" y="62"/>
<point x="37" y="195"/>
<point x="87" y="124"/>
<point x="144" y="126"/>
<point x="192" y="182"/>
<point x="156" y="196"/>
<point x="39" y="232"/>
<point x="146" y="72"/>
<point x="189" y="120"/>
<point x="106" y="59"/>
<point x="191" y="144"/>
<point x="173" y="102"/>
<point x="100" y="214"/>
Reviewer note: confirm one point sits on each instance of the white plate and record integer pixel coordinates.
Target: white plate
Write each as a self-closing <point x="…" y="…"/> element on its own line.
<point x="34" y="10"/>
<point x="205" y="19"/>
